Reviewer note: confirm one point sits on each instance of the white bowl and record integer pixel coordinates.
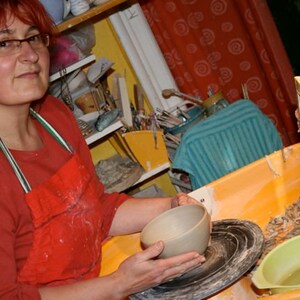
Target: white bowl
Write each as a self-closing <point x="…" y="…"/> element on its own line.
<point x="182" y="229"/>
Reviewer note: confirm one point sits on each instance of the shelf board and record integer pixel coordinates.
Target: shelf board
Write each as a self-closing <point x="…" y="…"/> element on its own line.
<point x="99" y="135"/>
<point x="92" y="12"/>
<point x="81" y="63"/>
<point x="153" y="172"/>
<point x="96" y="135"/>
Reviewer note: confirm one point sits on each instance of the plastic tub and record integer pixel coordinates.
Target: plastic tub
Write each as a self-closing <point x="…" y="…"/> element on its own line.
<point x="196" y="113"/>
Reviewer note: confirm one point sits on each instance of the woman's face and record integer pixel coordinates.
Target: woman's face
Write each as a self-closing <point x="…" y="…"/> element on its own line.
<point x="23" y="75"/>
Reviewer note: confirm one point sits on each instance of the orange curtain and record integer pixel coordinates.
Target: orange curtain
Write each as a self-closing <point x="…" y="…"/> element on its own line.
<point x="222" y="44"/>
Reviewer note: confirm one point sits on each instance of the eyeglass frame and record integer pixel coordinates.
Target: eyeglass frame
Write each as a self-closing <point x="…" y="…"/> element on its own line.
<point x="44" y="40"/>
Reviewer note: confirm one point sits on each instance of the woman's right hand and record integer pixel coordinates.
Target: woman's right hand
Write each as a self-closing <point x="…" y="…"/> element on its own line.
<point x="144" y="270"/>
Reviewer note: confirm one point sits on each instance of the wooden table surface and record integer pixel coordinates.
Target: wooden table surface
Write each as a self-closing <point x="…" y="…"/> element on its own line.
<point x="256" y="192"/>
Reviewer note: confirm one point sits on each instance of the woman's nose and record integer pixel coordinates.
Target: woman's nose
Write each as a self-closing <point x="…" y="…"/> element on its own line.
<point x="27" y="52"/>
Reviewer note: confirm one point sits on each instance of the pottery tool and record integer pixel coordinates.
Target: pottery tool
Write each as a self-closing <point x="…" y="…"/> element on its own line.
<point x="166" y="122"/>
<point x="169" y="115"/>
<point x="297" y="84"/>
<point x="105" y="96"/>
<point x="172" y="138"/>
<point x="65" y="92"/>
<point x="138" y="97"/>
<point x="167" y="93"/>
<point x="245" y="91"/>
<point x="166" y="119"/>
<point x="127" y="115"/>
<point x="115" y="93"/>
<point x="153" y="127"/>
<point x="85" y="128"/>
<point x="210" y="91"/>
<point x="182" y="113"/>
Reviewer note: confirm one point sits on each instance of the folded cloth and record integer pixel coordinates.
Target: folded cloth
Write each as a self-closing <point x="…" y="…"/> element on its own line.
<point x="118" y="173"/>
<point x="228" y="140"/>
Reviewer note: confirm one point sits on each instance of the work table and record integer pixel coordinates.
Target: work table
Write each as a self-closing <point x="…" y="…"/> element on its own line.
<point x="256" y="192"/>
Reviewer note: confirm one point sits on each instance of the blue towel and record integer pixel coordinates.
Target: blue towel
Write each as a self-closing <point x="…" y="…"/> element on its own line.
<point x="226" y="141"/>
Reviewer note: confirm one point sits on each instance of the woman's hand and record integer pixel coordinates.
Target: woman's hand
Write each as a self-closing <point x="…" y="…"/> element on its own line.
<point x="144" y="270"/>
<point x="182" y="199"/>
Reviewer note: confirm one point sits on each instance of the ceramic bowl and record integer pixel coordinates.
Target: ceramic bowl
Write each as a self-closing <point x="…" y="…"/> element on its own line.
<point x="196" y="113"/>
<point x="57" y="9"/>
<point x="87" y="99"/>
<point x="279" y="270"/>
<point x="182" y="229"/>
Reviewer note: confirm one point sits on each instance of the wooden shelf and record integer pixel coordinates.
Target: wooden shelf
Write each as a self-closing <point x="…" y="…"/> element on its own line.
<point x="110" y="129"/>
<point x="146" y="175"/>
<point x="96" y="135"/>
<point x="94" y="11"/>
<point x="153" y="172"/>
<point x="99" y="135"/>
<point x="81" y="63"/>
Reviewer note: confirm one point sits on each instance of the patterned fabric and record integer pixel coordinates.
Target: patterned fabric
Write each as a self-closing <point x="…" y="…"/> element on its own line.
<point x="226" y="141"/>
<point x="221" y="44"/>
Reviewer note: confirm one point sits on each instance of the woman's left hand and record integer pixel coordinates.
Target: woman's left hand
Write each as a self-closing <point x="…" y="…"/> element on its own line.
<point x="182" y="199"/>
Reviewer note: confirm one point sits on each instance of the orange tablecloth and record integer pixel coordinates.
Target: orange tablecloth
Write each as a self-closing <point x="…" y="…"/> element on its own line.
<point x="256" y="192"/>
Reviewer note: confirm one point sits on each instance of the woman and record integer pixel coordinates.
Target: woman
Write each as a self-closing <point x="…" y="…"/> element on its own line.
<point x="53" y="209"/>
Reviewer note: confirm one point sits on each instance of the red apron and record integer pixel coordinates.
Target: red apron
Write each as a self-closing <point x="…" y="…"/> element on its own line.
<point x="67" y="217"/>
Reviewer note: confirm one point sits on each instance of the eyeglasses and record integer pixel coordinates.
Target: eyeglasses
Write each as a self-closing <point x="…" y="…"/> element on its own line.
<point x="38" y="41"/>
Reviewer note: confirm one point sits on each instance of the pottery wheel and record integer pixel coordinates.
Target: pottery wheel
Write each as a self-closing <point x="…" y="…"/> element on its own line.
<point x="235" y="247"/>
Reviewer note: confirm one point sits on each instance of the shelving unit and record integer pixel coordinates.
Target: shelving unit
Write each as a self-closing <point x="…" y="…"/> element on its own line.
<point x="95" y="11"/>
<point x="71" y="23"/>
<point x="112" y="128"/>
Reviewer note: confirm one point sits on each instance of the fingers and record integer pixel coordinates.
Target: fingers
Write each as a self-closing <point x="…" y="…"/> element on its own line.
<point x="183" y="259"/>
<point x="153" y="251"/>
<point x="178" y="265"/>
<point x="142" y="271"/>
<point x="184" y="199"/>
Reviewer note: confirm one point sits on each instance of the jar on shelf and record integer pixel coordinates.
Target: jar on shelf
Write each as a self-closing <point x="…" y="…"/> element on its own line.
<point x="87" y="99"/>
<point x="215" y="103"/>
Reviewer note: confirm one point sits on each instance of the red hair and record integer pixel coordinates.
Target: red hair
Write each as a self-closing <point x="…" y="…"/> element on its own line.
<point x="30" y="12"/>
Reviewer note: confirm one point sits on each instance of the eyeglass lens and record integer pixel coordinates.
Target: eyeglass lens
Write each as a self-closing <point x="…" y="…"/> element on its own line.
<point x="8" y="47"/>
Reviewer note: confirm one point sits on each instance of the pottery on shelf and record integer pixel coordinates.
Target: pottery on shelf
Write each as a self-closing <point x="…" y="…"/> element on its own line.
<point x="57" y="9"/>
<point x="78" y="7"/>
